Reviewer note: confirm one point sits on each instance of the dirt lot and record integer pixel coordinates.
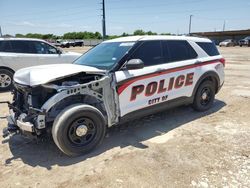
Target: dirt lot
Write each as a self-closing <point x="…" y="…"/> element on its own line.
<point x="177" y="148"/>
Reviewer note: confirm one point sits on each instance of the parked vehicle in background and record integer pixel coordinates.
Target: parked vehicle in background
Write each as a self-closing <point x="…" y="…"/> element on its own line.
<point x="228" y="42"/>
<point x="68" y="43"/>
<point x="17" y="53"/>
<point x="245" y="41"/>
<point x="78" y="43"/>
<point x="65" y="44"/>
<point x="116" y="81"/>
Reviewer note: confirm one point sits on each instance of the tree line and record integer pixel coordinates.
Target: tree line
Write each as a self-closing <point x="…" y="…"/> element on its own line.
<point x="84" y="35"/>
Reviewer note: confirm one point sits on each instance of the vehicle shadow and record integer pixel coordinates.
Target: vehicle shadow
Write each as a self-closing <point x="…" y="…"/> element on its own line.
<point x="46" y="154"/>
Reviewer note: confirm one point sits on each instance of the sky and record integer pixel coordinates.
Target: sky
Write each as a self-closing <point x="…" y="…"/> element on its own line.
<point x="161" y="16"/>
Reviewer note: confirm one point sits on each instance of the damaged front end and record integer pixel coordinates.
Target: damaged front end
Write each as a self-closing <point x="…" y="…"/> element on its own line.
<point x="34" y="108"/>
<point x="25" y="109"/>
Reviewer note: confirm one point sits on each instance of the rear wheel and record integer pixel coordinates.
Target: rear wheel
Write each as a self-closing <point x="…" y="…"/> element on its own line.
<point x="6" y="77"/>
<point x="204" y="96"/>
<point x="78" y="129"/>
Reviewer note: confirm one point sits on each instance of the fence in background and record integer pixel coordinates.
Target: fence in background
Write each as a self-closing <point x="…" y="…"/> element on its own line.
<point x="91" y="42"/>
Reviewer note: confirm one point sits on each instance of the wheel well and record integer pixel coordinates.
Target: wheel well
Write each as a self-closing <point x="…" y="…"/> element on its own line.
<point x="83" y="99"/>
<point x="214" y="80"/>
<point x="211" y="76"/>
<point x="7" y="68"/>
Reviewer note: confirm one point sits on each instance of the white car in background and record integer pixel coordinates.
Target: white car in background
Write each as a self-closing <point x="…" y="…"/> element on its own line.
<point x="17" y="53"/>
<point x="228" y="42"/>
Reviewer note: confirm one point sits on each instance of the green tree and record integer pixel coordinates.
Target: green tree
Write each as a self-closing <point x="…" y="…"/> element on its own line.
<point x="18" y="35"/>
<point x="125" y="34"/>
<point x="165" y="33"/>
<point x="151" y="33"/>
<point x="139" y="32"/>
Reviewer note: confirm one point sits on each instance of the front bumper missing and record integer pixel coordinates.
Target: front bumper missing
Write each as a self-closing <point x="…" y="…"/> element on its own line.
<point x="24" y="126"/>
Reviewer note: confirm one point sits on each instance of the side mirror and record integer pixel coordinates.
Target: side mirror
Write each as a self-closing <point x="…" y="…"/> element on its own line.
<point x="59" y="51"/>
<point x="134" y="64"/>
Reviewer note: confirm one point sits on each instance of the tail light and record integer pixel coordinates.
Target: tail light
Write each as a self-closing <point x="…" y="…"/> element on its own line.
<point x="223" y="61"/>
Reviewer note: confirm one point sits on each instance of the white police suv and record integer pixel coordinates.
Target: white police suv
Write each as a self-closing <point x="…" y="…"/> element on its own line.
<point x="114" y="82"/>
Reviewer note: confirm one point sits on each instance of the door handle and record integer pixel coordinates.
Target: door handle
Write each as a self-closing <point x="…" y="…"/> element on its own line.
<point x="198" y="61"/>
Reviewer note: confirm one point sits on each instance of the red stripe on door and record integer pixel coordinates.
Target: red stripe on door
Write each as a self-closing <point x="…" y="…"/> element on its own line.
<point x="125" y="85"/>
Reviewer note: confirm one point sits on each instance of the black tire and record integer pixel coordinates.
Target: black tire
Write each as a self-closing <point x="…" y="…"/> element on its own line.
<point x="6" y="80"/>
<point x="204" y="96"/>
<point x="66" y="124"/>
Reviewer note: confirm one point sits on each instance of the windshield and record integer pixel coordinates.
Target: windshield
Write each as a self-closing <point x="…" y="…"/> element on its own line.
<point x="105" y="55"/>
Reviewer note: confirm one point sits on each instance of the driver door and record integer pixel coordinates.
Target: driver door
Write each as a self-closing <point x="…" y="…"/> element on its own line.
<point x="150" y="53"/>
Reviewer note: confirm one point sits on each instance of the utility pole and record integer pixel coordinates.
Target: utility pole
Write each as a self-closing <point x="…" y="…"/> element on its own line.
<point x="103" y="21"/>
<point x="190" y="24"/>
<point x="224" y="25"/>
<point x="1" y="32"/>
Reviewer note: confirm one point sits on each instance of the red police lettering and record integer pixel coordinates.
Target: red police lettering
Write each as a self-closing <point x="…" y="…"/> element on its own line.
<point x="160" y="87"/>
<point x="151" y="88"/>
<point x="171" y="83"/>
<point x="136" y="90"/>
<point x="189" y="79"/>
<point x="179" y="81"/>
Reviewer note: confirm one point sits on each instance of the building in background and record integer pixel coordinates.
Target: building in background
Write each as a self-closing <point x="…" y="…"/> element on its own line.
<point x="218" y="36"/>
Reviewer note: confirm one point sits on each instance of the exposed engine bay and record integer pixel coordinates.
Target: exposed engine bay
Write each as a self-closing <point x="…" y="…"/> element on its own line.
<point x="35" y="108"/>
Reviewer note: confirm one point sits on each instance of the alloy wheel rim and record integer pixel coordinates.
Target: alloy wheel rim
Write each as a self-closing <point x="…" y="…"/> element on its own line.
<point x="5" y="80"/>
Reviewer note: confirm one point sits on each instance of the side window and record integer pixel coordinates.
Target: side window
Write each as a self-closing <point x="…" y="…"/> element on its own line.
<point x="149" y="52"/>
<point x="50" y="49"/>
<point x="209" y="48"/>
<point x="21" y="47"/>
<point x="43" y="48"/>
<point x="178" y="50"/>
<point x="5" y="46"/>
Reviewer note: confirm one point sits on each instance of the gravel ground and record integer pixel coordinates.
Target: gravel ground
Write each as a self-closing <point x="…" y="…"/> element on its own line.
<point x="176" y="148"/>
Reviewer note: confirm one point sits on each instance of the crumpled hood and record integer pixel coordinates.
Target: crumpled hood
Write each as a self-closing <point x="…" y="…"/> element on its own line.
<point x="37" y="75"/>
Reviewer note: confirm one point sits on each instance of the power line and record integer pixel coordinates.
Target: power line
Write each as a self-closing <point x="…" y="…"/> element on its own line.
<point x="154" y="5"/>
<point x="171" y="12"/>
<point x="49" y="11"/>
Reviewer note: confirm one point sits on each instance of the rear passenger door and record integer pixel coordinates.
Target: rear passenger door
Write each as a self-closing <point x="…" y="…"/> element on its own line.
<point x="18" y="54"/>
<point x="168" y="74"/>
<point x="179" y="68"/>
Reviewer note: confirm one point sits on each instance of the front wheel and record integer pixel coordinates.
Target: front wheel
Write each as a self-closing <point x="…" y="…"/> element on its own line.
<point x="78" y="129"/>
<point x="6" y="77"/>
<point x="204" y="96"/>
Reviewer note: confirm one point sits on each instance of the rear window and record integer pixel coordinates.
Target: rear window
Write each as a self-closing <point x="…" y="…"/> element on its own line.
<point x="22" y="47"/>
<point x="17" y="46"/>
<point x="209" y="48"/>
